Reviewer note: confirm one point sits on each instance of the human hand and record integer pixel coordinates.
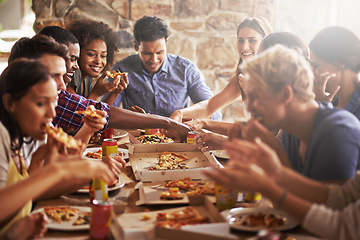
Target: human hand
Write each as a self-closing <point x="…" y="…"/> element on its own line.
<point x="319" y="88"/>
<point x="210" y="140"/>
<point x="246" y="177"/>
<point x="94" y="124"/>
<point x="56" y="152"/>
<point x="118" y="85"/>
<point x="196" y="124"/>
<point x="243" y="152"/>
<point x="32" y="226"/>
<point x="115" y="164"/>
<point x="177" y="131"/>
<point x="138" y="109"/>
<point x="82" y="170"/>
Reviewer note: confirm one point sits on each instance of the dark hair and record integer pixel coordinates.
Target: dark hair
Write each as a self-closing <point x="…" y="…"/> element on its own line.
<point x="60" y="35"/>
<point x="149" y="29"/>
<point x="36" y="47"/>
<point x="16" y="80"/>
<point x="338" y="46"/>
<point x="86" y="31"/>
<point x="286" y="39"/>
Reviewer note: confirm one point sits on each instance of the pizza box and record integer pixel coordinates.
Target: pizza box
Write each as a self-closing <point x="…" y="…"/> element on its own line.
<point x="144" y="156"/>
<point x="133" y="225"/>
<point x="149" y="194"/>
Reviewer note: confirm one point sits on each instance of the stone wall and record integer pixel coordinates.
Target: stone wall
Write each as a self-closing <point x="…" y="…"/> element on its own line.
<point x="202" y="30"/>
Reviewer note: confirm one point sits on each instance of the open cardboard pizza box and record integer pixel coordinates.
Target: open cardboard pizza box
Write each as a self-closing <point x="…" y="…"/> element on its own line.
<point x="132" y="225"/>
<point x="144" y="156"/>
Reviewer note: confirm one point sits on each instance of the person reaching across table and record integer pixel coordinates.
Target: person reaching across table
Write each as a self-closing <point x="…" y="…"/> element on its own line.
<point x="250" y="33"/>
<point x="159" y="82"/>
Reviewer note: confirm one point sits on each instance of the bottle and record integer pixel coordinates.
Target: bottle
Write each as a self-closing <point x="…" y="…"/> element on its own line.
<point x="225" y="198"/>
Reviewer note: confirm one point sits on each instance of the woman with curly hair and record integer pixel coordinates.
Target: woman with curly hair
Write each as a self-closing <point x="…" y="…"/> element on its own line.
<point x="97" y="49"/>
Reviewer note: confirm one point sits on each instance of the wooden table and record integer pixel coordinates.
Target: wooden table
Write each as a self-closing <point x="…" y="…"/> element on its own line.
<point x="124" y="201"/>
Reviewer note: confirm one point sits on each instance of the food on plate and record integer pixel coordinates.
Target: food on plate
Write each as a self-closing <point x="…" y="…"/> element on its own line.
<point x="113" y="74"/>
<point x="268" y="220"/>
<point x="146" y="217"/>
<point x="59" y="135"/>
<point x="192" y="187"/>
<point x="170" y="161"/>
<point x="60" y="214"/>
<point x="89" y="112"/>
<point x="172" y="194"/>
<point x="178" y="218"/>
<point x="95" y="155"/>
<point x="154" y="138"/>
<point x="82" y="219"/>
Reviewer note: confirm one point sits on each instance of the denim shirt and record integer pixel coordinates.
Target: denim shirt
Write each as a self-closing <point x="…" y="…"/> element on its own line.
<point x="171" y="88"/>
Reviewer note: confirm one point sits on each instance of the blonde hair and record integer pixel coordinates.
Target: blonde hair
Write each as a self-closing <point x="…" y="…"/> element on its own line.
<point x="280" y="66"/>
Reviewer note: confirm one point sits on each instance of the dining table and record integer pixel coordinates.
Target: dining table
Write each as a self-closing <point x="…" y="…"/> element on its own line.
<point x="124" y="201"/>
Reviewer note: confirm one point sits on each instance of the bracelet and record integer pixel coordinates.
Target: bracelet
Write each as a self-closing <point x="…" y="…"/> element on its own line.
<point x="282" y="199"/>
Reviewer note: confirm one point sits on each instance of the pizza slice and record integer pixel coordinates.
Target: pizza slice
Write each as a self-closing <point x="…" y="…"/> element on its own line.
<point x="170" y="161"/>
<point x="60" y="214"/>
<point x="82" y="219"/>
<point x="113" y="74"/>
<point x="172" y="194"/>
<point x="94" y="155"/>
<point x="59" y="135"/>
<point x="89" y="112"/>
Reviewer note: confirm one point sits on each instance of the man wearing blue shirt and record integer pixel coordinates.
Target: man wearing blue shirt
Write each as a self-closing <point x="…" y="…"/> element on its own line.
<point x="159" y="83"/>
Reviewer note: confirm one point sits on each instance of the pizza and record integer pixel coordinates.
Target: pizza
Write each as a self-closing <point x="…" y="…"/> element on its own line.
<point x="94" y="155"/>
<point x="170" y="161"/>
<point x="82" y="219"/>
<point x="89" y="113"/>
<point x="113" y="74"/>
<point x="178" y="218"/>
<point x="172" y="194"/>
<point x="60" y="214"/>
<point x="268" y="220"/>
<point x="59" y="135"/>
<point x="154" y="138"/>
<point x="192" y="187"/>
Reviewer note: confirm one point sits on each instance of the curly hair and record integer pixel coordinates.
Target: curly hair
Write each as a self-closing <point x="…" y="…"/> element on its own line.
<point x="149" y="29"/>
<point x="86" y="31"/>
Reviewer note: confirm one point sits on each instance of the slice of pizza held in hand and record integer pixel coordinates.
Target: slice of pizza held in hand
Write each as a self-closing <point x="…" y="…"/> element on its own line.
<point x="59" y="135"/>
<point x="89" y="112"/>
<point x="113" y="74"/>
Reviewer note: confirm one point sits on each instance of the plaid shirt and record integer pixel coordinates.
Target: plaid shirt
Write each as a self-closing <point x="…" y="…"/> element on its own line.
<point x="68" y="103"/>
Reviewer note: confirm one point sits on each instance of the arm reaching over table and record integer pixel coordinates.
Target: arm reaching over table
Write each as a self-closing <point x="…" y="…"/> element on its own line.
<point x="126" y="119"/>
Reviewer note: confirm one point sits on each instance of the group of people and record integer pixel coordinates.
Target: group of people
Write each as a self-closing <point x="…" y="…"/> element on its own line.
<point x="303" y="133"/>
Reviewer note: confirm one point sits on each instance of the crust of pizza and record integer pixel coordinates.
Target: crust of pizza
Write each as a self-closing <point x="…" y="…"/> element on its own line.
<point x="192" y="187"/>
<point x="178" y="218"/>
<point x="89" y="112"/>
<point x="113" y="74"/>
<point x="59" y="135"/>
<point x="172" y="194"/>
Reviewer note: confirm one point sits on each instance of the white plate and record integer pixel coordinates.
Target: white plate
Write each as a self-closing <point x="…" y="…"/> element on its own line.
<point x="95" y="149"/>
<point x="119" y="185"/>
<point x="235" y="213"/>
<point x="220" y="154"/>
<point x="119" y="133"/>
<point x="66" y="226"/>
